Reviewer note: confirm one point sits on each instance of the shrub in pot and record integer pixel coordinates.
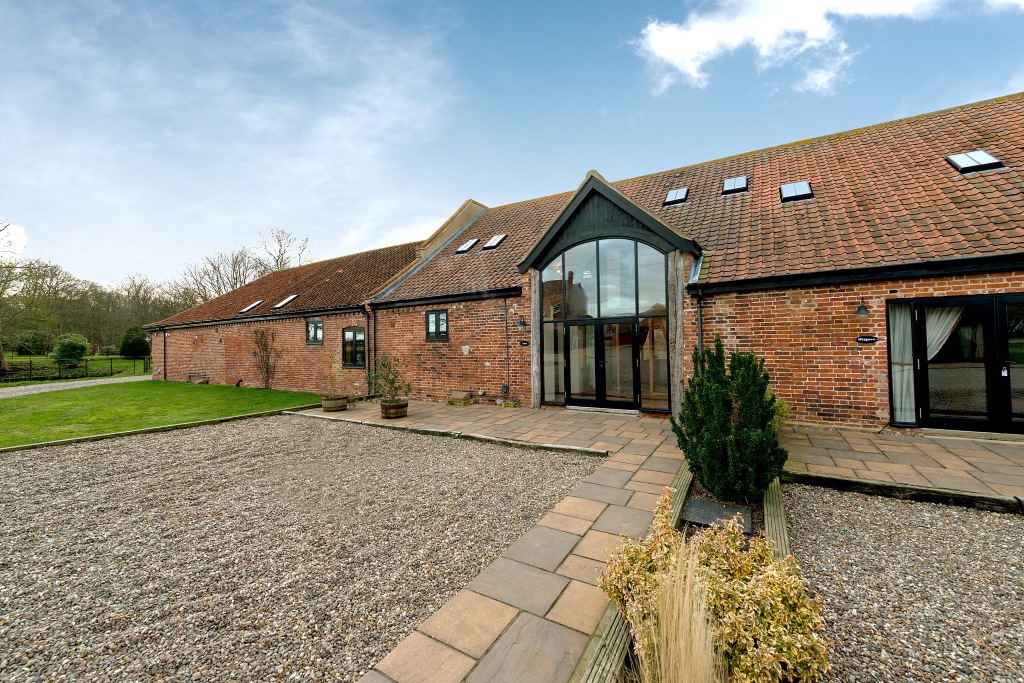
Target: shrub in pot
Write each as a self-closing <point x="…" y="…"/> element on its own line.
<point x="387" y="383"/>
<point x="333" y="401"/>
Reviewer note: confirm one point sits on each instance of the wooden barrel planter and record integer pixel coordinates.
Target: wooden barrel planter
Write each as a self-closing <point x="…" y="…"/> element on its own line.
<point x="331" y="404"/>
<point x="390" y="411"/>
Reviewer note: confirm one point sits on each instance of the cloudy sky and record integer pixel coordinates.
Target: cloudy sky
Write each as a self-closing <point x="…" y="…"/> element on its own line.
<point x="138" y="136"/>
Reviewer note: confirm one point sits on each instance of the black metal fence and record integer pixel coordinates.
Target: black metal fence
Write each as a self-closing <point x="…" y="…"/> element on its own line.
<point x="97" y="367"/>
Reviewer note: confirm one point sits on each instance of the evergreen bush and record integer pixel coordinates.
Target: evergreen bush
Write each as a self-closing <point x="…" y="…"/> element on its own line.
<point x="70" y="349"/>
<point x="34" y="343"/>
<point x="726" y="426"/>
<point x="134" y="343"/>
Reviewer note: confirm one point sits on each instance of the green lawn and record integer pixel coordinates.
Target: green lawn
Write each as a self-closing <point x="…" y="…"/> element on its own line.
<point x="135" y="405"/>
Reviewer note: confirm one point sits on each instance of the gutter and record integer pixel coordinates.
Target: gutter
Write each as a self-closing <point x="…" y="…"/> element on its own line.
<point x="267" y="317"/>
<point x="450" y="298"/>
<point x="974" y="265"/>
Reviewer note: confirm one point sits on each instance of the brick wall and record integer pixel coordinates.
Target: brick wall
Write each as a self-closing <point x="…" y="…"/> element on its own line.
<point x="223" y="354"/>
<point x="806" y="337"/>
<point x="473" y="358"/>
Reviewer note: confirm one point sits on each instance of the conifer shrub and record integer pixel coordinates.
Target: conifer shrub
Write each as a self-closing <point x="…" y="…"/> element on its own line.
<point x="134" y="343"/>
<point x="726" y="427"/>
<point x="70" y="349"/>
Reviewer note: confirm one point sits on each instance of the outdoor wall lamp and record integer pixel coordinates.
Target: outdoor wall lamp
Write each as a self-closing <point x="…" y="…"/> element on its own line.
<point x="522" y="325"/>
<point x="862" y="309"/>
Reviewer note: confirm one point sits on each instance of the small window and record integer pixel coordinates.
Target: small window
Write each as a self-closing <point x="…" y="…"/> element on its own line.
<point x="466" y="246"/>
<point x="978" y="160"/>
<point x="734" y="185"/>
<point x="677" y="196"/>
<point x="314" y="331"/>
<point x="353" y="347"/>
<point x="494" y="242"/>
<point x="285" y="301"/>
<point x="791" y="192"/>
<point x="437" y="325"/>
<point x="251" y="306"/>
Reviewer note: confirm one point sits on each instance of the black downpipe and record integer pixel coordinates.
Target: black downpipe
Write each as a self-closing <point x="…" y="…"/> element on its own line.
<point x="508" y="354"/>
<point x="164" y="342"/>
<point x="366" y="312"/>
<point x="700" y="322"/>
<point x="374" y="350"/>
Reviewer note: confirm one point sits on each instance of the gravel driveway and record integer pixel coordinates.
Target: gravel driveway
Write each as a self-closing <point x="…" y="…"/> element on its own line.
<point x="10" y="392"/>
<point x="268" y="549"/>
<point x="913" y="591"/>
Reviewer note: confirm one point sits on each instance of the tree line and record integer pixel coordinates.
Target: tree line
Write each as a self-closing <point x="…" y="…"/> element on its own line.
<point x="41" y="301"/>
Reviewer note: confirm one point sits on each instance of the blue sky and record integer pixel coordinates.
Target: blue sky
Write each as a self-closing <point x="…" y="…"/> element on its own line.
<point x="139" y="136"/>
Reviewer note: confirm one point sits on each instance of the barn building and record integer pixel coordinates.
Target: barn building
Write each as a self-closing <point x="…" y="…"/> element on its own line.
<point x="879" y="272"/>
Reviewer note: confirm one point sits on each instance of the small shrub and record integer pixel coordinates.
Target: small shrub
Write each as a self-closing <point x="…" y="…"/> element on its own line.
<point x="767" y="627"/>
<point x="264" y="351"/>
<point x="34" y="343"/>
<point x="726" y="425"/>
<point x="108" y="351"/>
<point x="134" y="343"/>
<point x="386" y="380"/>
<point x="70" y="349"/>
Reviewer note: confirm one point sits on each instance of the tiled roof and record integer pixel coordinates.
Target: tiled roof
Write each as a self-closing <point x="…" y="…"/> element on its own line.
<point x="478" y="269"/>
<point x="883" y="195"/>
<point x="335" y="283"/>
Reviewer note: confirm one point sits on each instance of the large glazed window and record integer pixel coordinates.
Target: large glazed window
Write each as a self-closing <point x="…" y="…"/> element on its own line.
<point x="604" y="339"/>
<point x="353" y="347"/>
<point x="901" y="358"/>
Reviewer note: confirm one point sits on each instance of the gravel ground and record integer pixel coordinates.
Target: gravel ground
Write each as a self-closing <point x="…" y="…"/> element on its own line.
<point x="8" y="392"/>
<point x="272" y="549"/>
<point x="912" y="591"/>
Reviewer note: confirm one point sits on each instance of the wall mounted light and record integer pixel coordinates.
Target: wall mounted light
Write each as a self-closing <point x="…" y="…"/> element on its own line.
<point x="521" y="324"/>
<point x="862" y="309"/>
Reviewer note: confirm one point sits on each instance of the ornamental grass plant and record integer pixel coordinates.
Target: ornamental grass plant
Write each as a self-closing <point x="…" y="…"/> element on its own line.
<point x="763" y="623"/>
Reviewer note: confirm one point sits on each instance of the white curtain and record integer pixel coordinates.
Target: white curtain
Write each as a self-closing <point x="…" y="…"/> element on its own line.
<point x="901" y="356"/>
<point x="939" y="323"/>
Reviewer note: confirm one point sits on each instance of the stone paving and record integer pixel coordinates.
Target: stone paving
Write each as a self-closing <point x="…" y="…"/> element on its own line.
<point x="988" y="467"/>
<point x="529" y="615"/>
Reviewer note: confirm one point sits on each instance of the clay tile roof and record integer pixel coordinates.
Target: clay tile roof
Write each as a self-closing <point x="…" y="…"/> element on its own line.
<point x="883" y="195"/>
<point x="332" y="284"/>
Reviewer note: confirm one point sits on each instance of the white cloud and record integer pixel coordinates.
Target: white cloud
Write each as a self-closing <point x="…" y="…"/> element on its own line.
<point x="780" y="31"/>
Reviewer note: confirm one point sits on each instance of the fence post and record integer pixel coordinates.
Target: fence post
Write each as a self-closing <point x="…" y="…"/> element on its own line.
<point x="87" y="368"/>
<point x="111" y="366"/>
<point x="30" y="369"/>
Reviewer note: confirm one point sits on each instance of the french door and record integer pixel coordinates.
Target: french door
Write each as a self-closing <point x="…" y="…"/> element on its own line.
<point x="969" y="362"/>
<point x="601" y="364"/>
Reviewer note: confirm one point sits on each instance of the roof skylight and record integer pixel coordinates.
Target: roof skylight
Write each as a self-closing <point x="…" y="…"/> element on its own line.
<point x="285" y="301"/>
<point x="791" y="192"/>
<point x="677" y="196"/>
<point x="467" y="246"/>
<point x="495" y="241"/>
<point x="978" y="160"/>
<point x="251" y="306"/>
<point x="734" y="185"/>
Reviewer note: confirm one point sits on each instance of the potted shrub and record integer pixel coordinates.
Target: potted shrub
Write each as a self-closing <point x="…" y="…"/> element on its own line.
<point x="333" y="401"/>
<point x="386" y="382"/>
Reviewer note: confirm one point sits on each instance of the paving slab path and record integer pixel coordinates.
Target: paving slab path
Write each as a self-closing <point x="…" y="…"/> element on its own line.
<point x="528" y="616"/>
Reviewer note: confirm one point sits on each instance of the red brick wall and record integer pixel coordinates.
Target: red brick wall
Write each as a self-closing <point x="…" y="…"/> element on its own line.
<point x="223" y="354"/>
<point x="472" y="359"/>
<point x="806" y="337"/>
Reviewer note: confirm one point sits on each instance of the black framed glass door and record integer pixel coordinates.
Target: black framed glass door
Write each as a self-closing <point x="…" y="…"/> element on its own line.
<point x="601" y="364"/>
<point x="968" y="362"/>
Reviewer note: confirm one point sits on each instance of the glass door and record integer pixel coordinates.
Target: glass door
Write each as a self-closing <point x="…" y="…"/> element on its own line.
<point x="582" y="363"/>
<point x="1011" y="367"/>
<point x="955" y="350"/>
<point x="618" y="365"/>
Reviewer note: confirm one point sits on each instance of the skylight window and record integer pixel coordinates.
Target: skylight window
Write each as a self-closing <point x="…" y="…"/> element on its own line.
<point x="467" y="246"/>
<point x="734" y="185"/>
<point x="791" y="192"/>
<point x="285" y="301"/>
<point x="251" y="306"/>
<point x="677" y="196"/>
<point x="978" y="160"/>
<point x="495" y="241"/>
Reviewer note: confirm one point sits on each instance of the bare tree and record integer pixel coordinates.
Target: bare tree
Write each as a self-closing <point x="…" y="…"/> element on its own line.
<point x="280" y="249"/>
<point x="265" y="353"/>
<point x="5" y="239"/>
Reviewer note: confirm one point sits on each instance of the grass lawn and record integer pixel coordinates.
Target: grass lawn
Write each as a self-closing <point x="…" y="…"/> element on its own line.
<point x="135" y="405"/>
